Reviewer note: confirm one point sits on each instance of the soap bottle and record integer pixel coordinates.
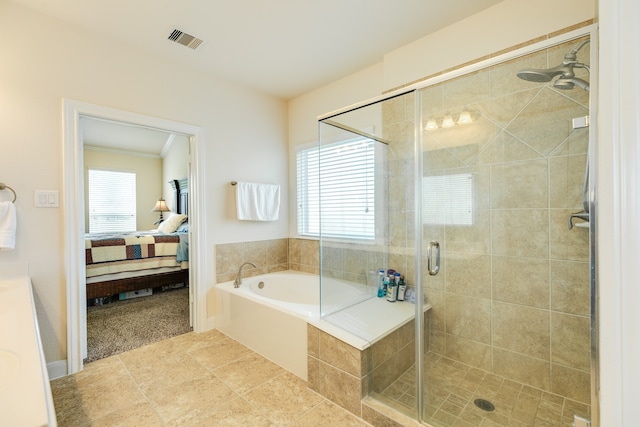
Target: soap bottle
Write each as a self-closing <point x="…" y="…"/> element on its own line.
<point x="402" y="287"/>
<point x="382" y="290"/>
<point x="392" y="290"/>
<point x="385" y="285"/>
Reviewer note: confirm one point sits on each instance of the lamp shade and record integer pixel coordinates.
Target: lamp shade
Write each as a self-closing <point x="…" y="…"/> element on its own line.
<point x="431" y="124"/>
<point x="465" y="117"/>
<point x="161" y="206"/>
<point x="448" y="122"/>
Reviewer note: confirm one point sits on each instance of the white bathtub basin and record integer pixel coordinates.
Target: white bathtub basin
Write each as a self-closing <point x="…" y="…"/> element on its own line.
<point x="269" y="314"/>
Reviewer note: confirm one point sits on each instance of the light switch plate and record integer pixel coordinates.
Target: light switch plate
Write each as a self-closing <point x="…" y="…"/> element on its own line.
<point x="47" y="199"/>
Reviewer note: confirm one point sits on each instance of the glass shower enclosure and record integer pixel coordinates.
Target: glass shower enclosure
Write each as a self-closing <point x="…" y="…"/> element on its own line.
<point x="471" y="186"/>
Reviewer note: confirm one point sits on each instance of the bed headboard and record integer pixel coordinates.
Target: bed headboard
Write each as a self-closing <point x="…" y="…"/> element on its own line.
<point x="181" y="195"/>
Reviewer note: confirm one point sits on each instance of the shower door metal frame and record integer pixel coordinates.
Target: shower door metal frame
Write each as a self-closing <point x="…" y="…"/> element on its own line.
<point x="592" y="159"/>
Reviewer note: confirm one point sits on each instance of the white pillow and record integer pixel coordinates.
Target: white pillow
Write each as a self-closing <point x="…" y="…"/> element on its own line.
<point x="171" y="224"/>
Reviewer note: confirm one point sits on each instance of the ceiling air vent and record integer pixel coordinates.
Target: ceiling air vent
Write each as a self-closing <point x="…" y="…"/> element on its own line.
<point x="185" y="39"/>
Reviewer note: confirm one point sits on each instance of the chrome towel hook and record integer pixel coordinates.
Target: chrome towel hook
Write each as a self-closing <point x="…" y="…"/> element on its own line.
<point x="4" y="186"/>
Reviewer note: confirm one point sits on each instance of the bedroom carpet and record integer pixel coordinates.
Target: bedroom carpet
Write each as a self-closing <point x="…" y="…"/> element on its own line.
<point x="124" y="325"/>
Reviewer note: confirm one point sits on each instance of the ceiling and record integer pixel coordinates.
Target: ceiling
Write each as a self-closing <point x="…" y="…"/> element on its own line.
<point x="282" y="47"/>
<point x="119" y="136"/>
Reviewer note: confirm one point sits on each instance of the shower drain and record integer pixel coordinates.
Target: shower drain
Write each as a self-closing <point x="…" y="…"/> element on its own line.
<point x="485" y="405"/>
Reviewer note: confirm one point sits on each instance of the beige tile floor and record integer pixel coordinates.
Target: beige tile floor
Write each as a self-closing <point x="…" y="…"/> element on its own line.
<point x="451" y="387"/>
<point x="204" y="379"/>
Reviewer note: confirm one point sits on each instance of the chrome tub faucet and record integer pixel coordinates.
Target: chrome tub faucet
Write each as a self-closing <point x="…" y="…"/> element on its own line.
<point x="238" y="280"/>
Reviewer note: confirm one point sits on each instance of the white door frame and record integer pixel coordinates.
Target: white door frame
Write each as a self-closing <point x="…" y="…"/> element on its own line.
<point x="73" y="166"/>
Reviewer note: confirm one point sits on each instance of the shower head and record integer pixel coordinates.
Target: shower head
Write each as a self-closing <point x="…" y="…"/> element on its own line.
<point x="568" y="84"/>
<point x="540" y="76"/>
<point x="567" y="79"/>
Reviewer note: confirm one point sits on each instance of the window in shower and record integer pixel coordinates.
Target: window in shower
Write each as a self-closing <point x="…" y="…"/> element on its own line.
<point x="447" y="199"/>
<point x="347" y="172"/>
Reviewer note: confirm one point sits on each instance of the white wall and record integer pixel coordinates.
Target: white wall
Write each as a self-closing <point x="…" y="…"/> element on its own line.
<point x="44" y="61"/>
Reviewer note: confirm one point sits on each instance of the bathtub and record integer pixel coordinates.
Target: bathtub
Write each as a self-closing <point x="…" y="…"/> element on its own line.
<point x="269" y="314"/>
<point x="25" y="394"/>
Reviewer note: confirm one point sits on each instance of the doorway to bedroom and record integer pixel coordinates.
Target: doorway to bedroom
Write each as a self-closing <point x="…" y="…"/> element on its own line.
<point x="180" y="196"/>
<point x="136" y="223"/>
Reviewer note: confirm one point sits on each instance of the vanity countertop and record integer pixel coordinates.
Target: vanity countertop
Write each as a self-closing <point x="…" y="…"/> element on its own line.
<point x="25" y="393"/>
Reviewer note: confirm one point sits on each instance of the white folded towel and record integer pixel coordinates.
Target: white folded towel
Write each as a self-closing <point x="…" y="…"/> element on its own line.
<point x="257" y="202"/>
<point x="7" y="225"/>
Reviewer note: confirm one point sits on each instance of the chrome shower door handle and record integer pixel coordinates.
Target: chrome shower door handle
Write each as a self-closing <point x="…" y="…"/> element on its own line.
<point x="434" y="249"/>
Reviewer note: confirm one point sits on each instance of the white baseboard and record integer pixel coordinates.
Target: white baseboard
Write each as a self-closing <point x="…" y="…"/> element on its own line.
<point x="57" y="369"/>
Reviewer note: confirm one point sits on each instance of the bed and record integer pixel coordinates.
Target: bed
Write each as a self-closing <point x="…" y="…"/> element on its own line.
<point x="117" y="263"/>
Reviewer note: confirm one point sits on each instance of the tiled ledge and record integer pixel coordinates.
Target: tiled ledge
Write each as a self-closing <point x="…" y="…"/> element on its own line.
<point x="345" y="374"/>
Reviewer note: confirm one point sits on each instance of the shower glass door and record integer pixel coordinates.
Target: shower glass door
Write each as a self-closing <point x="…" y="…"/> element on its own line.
<point x="503" y="170"/>
<point x="385" y="130"/>
<point x="349" y="167"/>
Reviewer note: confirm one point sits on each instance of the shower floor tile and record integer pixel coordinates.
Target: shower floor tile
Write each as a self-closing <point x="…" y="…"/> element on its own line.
<point x="452" y="387"/>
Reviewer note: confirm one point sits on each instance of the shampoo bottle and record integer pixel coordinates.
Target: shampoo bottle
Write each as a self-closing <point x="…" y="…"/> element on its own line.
<point x="392" y="290"/>
<point x="382" y="290"/>
<point x="402" y="287"/>
<point x="385" y="285"/>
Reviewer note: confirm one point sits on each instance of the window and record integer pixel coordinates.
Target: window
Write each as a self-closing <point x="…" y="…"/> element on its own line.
<point x="112" y="201"/>
<point x="447" y="199"/>
<point x="346" y="170"/>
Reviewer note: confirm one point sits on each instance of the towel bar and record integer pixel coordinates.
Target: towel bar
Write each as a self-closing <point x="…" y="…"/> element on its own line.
<point x="4" y="186"/>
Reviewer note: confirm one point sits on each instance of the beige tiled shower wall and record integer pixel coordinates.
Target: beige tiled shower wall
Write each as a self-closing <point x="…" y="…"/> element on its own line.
<point x="346" y="261"/>
<point x="267" y="255"/>
<point x="513" y="294"/>
<point x="342" y="261"/>
<point x="304" y="255"/>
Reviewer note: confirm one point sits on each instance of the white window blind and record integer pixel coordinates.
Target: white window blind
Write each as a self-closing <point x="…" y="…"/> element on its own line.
<point x="338" y="182"/>
<point x="447" y="199"/>
<point x="112" y="201"/>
